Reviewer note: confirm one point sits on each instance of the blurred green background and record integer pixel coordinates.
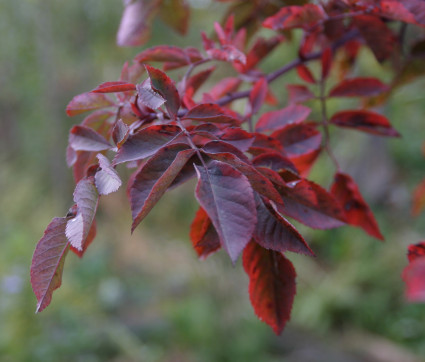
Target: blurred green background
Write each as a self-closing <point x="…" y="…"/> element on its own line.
<point x="147" y="297"/>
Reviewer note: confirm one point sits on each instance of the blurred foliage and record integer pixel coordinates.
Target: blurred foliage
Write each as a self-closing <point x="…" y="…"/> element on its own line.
<point x="146" y="297"/>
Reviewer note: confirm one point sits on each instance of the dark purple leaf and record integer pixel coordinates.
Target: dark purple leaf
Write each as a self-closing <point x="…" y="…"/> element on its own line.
<point x="87" y="102"/>
<point x="48" y="260"/>
<point x="112" y="87"/>
<point x="276" y="119"/>
<point x="209" y="112"/>
<point x="227" y="197"/>
<point x="83" y="138"/>
<point x="358" y="87"/>
<point x="154" y="178"/>
<point x="146" y="142"/>
<point x="311" y="205"/>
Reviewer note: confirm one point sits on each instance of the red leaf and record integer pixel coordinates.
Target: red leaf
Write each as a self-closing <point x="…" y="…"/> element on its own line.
<point x="261" y="48"/>
<point x="227" y="53"/>
<point x="162" y="53"/>
<point x="311" y="205"/>
<point x="305" y="162"/>
<point x="295" y="17"/>
<point x="82" y="138"/>
<point x="209" y="112"/>
<point x="197" y="80"/>
<point x="258" y="94"/>
<point x="299" y="93"/>
<point x="298" y="139"/>
<point x="227" y="197"/>
<point x="305" y="74"/>
<point x="87" y="102"/>
<point x="238" y="138"/>
<point x="271" y="285"/>
<point x="275" y="161"/>
<point x="166" y="88"/>
<point x="175" y="13"/>
<point x="146" y="142"/>
<point x="359" y="87"/>
<point x="120" y="133"/>
<point x="276" y="119"/>
<point x="205" y="239"/>
<point x="86" y="197"/>
<point x="326" y="62"/>
<point x="357" y="211"/>
<point x="415" y="251"/>
<point x="111" y="87"/>
<point x="377" y="35"/>
<point x="47" y="262"/>
<point x="276" y="233"/>
<point x="224" y="86"/>
<point x="418" y="203"/>
<point x="365" y="121"/>
<point x="397" y="10"/>
<point x="263" y="143"/>
<point x="414" y="277"/>
<point x="135" y="23"/>
<point x="106" y="179"/>
<point x="226" y="153"/>
<point x="154" y="178"/>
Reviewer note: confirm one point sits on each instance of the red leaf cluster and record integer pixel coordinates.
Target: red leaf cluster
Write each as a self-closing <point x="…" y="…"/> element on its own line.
<point x="251" y="166"/>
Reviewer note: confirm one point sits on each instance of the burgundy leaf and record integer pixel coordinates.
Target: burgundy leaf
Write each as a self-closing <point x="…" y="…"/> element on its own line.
<point x="120" y="133"/>
<point x="48" y="260"/>
<point x="276" y="233"/>
<point x="106" y="179"/>
<point x="154" y="178"/>
<point x="135" y="23"/>
<point x="227" y="53"/>
<point x="162" y="53"/>
<point x="228" y="154"/>
<point x="261" y="48"/>
<point x="311" y="205"/>
<point x="415" y="251"/>
<point x="166" y="88"/>
<point x="209" y="112"/>
<point x="227" y="197"/>
<point x="295" y="17"/>
<point x="326" y="62"/>
<point x="357" y="211"/>
<point x="148" y="97"/>
<point x="111" y="87"/>
<point x="258" y="95"/>
<point x="87" y="102"/>
<point x="377" y="35"/>
<point x="359" y="87"/>
<point x="299" y="93"/>
<point x="365" y="121"/>
<point x="263" y="143"/>
<point x="305" y="74"/>
<point x="272" y="285"/>
<point x="146" y="142"/>
<point x="275" y="161"/>
<point x="276" y="119"/>
<point x="238" y="138"/>
<point x="414" y="277"/>
<point x="197" y="80"/>
<point x="224" y="87"/>
<point x="205" y="239"/>
<point x="298" y="139"/>
<point x="83" y="138"/>
<point x="86" y="197"/>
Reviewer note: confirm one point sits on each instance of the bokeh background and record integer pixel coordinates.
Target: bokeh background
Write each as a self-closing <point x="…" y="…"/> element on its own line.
<point x="147" y="297"/>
